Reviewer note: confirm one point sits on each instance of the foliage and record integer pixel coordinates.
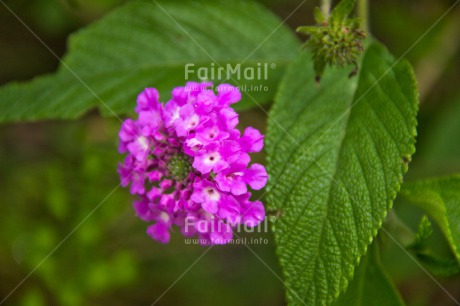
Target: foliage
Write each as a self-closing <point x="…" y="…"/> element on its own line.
<point x="439" y="198"/>
<point x="334" y="184"/>
<point x="370" y="283"/>
<point x="111" y="61"/>
<point x="337" y="152"/>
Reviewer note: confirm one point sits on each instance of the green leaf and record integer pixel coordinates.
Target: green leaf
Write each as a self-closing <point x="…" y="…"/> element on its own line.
<point x="439" y="266"/>
<point x="319" y="16"/>
<point x="424" y="232"/>
<point x="307" y="29"/>
<point x="440" y="199"/>
<point x="148" y="43"/>
<point x="341" y="11"/>
<point x="336" y="156"/>
<point x="370" y="283"/>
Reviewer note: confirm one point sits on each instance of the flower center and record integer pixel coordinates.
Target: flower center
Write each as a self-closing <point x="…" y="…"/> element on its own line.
<point x="179" y="166"/>
<point x="212" y="194"/>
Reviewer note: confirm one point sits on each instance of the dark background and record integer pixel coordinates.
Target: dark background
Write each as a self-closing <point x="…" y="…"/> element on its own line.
<point x="54" y="173"/>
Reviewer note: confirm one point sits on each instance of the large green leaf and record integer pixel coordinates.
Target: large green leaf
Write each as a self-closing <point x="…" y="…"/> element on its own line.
<point x="440" y="199"/>
<point x="336" y="156"/>
<point x="370" y="285"/>
<point x="148" y="43"/>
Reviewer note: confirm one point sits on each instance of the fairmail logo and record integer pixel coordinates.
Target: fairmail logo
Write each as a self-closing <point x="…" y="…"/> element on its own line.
<point x="228" y="72"/>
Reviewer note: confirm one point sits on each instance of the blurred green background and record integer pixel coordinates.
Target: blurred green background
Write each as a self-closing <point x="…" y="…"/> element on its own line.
<point x="56" y="175"/>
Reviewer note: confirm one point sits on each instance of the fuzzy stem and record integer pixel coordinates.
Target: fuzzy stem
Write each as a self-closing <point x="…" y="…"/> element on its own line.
<point x="326" y="7"/>
<point x="363" y="13"/>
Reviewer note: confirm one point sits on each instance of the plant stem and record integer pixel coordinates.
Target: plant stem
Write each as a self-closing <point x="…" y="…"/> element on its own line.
<point x="363" y="13"/>
<point x="326" y="7"/>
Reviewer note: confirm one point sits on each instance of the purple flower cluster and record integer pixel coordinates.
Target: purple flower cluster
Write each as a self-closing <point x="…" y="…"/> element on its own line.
<point x="189" y="164"/>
